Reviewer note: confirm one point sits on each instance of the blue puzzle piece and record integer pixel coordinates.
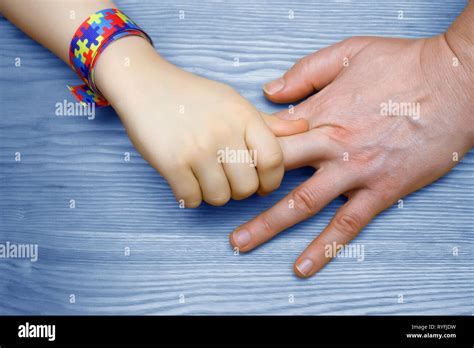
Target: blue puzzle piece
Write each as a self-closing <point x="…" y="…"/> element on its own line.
<point x="99" y="27"/>
<point x="91" y="34"/>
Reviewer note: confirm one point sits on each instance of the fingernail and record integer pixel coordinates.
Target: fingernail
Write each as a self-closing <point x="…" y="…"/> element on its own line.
<point x="242" y="238"/>
<point x="305" y="266"/>
<point x="274" y="86"/>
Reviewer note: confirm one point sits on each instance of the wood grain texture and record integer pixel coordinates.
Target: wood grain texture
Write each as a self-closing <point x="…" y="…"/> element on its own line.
<point x="122" y="204"/>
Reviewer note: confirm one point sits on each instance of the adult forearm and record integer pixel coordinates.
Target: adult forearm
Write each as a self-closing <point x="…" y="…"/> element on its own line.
<point x="52" y="23"/>
<point x="460" y="37"/>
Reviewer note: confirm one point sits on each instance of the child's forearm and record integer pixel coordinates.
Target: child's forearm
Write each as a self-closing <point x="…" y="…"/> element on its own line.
<point x="52" y="23"/>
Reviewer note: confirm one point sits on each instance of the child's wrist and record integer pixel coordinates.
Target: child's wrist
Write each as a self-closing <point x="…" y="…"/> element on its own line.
<point x="118" y="66"/>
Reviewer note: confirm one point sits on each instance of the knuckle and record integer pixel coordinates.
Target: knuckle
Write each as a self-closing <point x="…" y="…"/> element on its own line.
<point x="271" y="161"/>
<point x="202" y="146"/>
<point x="354" y="40"/>
<point x="385" y="191"/>
<point x="223" y="131"/>
<point x="193" y="202"/>
<point x="347" y="224"/>
<point x="305" y="201"/>
<point x="218" y="200"/>
<point x="304" y="64"/>
<point x="349" y="40"/>
<point x="245" y="191"/>
<point x="268" y="187"/>
<point x="265" y="226"/>
<point x="188" y="199"/>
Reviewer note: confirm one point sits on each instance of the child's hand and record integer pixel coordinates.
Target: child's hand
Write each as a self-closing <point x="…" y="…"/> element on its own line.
<point x="201" y="135"/>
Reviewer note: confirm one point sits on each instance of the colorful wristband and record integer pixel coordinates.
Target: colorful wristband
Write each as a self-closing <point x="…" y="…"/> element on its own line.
<point x="89" y="41"/>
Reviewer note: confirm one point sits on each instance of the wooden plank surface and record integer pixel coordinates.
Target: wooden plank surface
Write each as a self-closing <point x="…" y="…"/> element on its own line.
<point x="175" y="252"/>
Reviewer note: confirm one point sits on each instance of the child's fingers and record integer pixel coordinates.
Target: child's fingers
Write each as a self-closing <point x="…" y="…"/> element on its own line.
<point x="185" y="187"/>
<point x="214" y="185"/>
<point x="267" y="154"/>
<point x="281" y="127"/>
<point x="239" y="169"/>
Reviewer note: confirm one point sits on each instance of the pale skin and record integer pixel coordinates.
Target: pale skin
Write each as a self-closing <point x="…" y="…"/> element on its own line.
<point x="372" y="159"/>
<point x="178" y="121"/>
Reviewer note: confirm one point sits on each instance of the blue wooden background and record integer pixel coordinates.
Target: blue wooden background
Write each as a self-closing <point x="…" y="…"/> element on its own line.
<point x="178" y="254"/>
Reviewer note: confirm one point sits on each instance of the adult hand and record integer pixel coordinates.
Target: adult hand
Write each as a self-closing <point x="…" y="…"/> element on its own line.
<point x="391" y="116"/>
